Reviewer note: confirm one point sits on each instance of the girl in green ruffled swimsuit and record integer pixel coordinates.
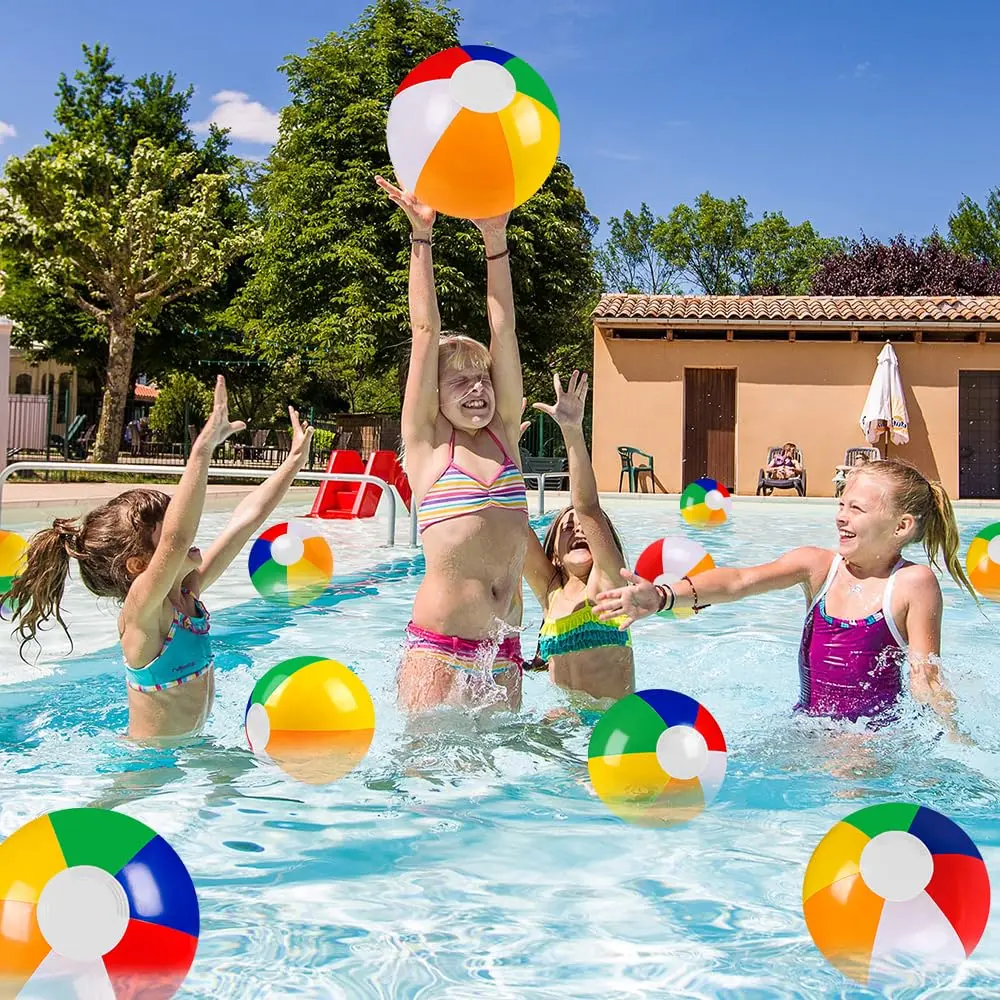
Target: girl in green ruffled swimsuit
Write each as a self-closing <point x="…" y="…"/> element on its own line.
<point x="580" y="554"/>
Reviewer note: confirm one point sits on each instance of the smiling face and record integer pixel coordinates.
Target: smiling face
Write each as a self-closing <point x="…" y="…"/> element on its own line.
<point x="466" y="397"/>
<point x="867" y="525"/>
<point x="570" y="549"/>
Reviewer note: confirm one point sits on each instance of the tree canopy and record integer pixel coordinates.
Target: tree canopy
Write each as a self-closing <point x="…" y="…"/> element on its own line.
<point x="330" y="274"/>
<point x="714" y="247"/>
<point x="904" y="267"/>
<point x="975" y="230"/>
<point x="116" y="226"/>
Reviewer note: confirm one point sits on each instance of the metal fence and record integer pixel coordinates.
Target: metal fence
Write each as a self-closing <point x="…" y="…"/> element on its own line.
<point x="216" y="473"/>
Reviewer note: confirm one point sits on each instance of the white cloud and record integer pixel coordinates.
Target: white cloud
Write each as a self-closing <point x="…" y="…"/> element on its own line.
<point x="244" y="118"/>
<point x="861" y="69"/>
<point x="7" y="131"/>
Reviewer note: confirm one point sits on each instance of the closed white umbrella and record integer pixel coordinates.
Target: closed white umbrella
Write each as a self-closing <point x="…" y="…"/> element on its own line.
<point x="885" y="407"/>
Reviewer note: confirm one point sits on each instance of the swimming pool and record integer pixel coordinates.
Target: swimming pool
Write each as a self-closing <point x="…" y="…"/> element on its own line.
<point x="466" y="857"/>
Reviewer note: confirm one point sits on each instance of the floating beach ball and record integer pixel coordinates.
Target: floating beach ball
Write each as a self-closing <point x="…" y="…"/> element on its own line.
<point x="706" y="502"/>
<point x="473" y="131"/>
<point x="13" y="549"/>
<point x="291" y="563"/>
<point x="894" y="880"/>
<point x="669" y="559"/>
<point x="313" y="717"/>
<point x="94" y="903"/>
<point x="983" y="562"/>
<point x="657" y="758"/>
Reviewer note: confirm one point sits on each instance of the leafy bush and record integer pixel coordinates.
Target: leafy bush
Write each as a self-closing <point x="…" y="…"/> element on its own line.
<point x="167" y="415"/>
<point x="322" y="441"/>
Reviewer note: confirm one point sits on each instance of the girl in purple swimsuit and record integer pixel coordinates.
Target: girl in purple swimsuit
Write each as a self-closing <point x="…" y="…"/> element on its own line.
<point x="869" y="609"/>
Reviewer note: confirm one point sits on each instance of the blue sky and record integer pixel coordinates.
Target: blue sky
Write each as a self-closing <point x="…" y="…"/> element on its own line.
<point x="854" y="115"/>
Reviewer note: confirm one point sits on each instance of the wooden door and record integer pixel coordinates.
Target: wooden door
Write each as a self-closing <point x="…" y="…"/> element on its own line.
<point x="709" y="425"/>
<point x="979" y="435"/>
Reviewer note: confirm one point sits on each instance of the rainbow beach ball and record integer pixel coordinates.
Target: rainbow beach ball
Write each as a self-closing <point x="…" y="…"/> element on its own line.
<point x="895" y="880"/>
<point x="473" y="131"/>
<point x="669" y="559"/>
<point x="657" y="758"/>
<point x="291" y="564"/>
<point x="706" y="502"/>
<point x="982" y="563"/>
<point x="313" y="717"/>
<point x="94" y="903"/>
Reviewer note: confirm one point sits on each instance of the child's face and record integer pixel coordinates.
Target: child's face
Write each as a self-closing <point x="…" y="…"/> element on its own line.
<point x="466" y="397"/>
<point x="571" y="549"/>
<point x="866" y="522"/>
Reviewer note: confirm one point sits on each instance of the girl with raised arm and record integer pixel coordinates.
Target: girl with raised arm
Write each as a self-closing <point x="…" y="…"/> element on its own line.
<point x="139" y="549"/>
<point x="460" y="426"/>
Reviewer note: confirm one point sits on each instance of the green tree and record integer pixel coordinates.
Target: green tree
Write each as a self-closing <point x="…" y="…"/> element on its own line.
<point x="100" y="108"/>
<point x="330" y="274"/>
<point x="975" y="230"/>
<point x="630" y="260"/>
<point x="720" y="250"/>
<point x="120" y="239"/>
<point x="182" y="396"/>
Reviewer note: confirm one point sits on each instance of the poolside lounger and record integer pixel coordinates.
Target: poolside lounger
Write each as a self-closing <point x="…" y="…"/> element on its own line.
<point x="767" y="485"/>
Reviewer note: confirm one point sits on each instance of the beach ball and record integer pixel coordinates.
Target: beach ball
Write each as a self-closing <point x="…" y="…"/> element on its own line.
<point x="895" y="880"/>
<point x="291" y="563"/>
<point x="13" y="549"/>
<point x="313" y="717"/>
<point x="473" y="131"/>
<point x="667" y="560"/>
<point x="94" y="903"/>
<point x="983" y="562"/>
<point x="706" y="502"/>
<point x="657" y="758"/>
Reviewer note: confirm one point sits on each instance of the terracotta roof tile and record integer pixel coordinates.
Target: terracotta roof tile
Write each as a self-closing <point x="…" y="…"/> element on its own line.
<point x="798" y="308"/>
<point x="146" y="392"/>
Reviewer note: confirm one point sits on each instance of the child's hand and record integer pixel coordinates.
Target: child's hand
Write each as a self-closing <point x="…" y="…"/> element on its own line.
<point x="638" y="600"/>
<point x="301" y="436"/>
<point x="219" y="426"/>
<point x="421" y="216"/>
<point x="568" y="408"/>
<point x="492" y="227"/>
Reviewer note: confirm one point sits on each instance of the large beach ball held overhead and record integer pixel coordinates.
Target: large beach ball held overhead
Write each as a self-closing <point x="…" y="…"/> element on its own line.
<point x="895" y="880"/>
<point x="670" y="559"/>
<point x="290" y="563"/>
<point x="313" y="717"/>
<point x="94" y="903"/>
<point x="473" y="131"/>
<point x="982" y="563"/>
<point x="657" y="758"/>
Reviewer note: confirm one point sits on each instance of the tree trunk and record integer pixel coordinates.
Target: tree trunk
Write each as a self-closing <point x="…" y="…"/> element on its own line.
<point x="116" y="389"/>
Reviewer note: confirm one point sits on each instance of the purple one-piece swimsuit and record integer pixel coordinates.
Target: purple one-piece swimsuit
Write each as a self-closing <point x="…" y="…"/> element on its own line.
<point x="849" y="669"/>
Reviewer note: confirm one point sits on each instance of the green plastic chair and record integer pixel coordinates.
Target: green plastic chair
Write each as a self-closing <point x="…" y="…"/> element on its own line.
<point x="630" y="469"/>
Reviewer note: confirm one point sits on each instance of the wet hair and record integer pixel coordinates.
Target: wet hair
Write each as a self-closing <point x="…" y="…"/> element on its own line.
<point x="456" y="352"/>
<point x="549" y="542"/>
<point x="910" y="492"/>
<point x="102" y="543"/>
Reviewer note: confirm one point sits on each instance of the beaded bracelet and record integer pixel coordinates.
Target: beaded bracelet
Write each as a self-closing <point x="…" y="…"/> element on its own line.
<point x="694" y="593"/>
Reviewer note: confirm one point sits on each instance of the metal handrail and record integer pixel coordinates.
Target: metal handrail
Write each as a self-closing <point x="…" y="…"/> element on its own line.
<point x="539" y="478"/>
<point x="218" y="471"/>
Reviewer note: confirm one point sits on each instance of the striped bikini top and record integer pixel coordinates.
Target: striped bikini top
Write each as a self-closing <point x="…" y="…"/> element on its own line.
<point x="456" y="492"/>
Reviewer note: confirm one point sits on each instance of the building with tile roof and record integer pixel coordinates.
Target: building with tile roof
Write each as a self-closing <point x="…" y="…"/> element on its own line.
<point x="707" y="384"/>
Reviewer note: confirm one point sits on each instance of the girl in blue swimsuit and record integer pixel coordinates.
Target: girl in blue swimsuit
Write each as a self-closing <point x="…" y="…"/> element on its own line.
<point x="139" y="548"/>
<point x="580" y="556"/>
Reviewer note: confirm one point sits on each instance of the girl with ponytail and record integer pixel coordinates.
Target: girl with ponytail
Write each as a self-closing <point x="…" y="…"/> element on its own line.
<point x="869" y="610"/>
<point x="139" y="549"/>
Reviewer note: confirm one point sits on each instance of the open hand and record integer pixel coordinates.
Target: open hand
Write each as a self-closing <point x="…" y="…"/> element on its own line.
<point x="494" y="226"/>
<point x="219" y="426"/>
<point x="421" y="216"/>
<point x="302" y="434"/>
<point x="637" y="600"/>
<point x="567" y="411"/>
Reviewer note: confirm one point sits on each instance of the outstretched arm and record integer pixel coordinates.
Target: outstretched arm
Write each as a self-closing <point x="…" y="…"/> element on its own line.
<point x="640" y="599"/>
<point x="567" y="411"/>
<point x="508" y="382"/>
<point x="180" y="523"/>
<point x="254" y="509"/>
<point x="420" y="401"/>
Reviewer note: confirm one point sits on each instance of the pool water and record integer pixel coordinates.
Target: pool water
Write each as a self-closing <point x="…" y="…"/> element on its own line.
<point x="466" y="856"/>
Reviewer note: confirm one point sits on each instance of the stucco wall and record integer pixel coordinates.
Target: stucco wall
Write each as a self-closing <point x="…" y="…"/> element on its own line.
<point x="807" y="392"/>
